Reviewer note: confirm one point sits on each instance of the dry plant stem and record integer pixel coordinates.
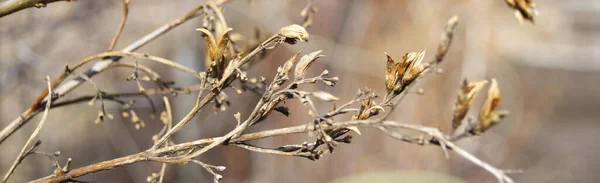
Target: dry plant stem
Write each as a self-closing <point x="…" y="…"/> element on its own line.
<point x="32" y="138"/>
<point x="121" y="26"/>
<point x="11" y="6"/>
<point x="98" y="67"/>
<point x="202" y="143"/>
<point x="116" y="96"/>
<point x="25" y="116"/>
<point x="169" y="126"/>
<point x="202" y="101"/>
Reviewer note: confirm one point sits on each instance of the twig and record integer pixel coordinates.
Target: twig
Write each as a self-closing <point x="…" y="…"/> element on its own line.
<point x="121" y="26"/>
<point x="11" y="6"/>
<point x="97" y="68"/>
<point x="33" y="136"/>
<point x="201" y="102"/>
<point x="168" y="125"/>
<point x="202" y="143"/>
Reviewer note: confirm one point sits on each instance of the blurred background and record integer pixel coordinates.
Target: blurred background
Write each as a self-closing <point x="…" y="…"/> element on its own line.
<point x="547" y="73"/>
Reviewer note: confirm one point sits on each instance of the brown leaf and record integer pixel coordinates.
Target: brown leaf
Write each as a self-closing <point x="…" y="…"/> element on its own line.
<point x="304" y="64"/>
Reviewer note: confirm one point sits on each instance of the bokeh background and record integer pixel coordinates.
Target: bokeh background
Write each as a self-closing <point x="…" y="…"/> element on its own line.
<point x="547" y="72"/>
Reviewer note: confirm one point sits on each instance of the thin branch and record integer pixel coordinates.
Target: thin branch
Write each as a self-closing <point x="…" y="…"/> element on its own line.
<point x="203" y="143"/>
<point x="28" y="144"/>
<point x="168" y="125"/>
<point x="201" y="102"/>
<point x="11" y="6"/>
<point x="121" y="26"/>
<point x="97" y="68"/>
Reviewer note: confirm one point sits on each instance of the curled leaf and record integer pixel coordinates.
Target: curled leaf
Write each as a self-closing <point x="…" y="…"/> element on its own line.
<point x="304" y="64"/>
<point x="328" y="97"/>
<point x="294" y="33"/>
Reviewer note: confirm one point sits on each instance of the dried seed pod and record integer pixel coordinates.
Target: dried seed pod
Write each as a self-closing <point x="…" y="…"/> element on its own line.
<point x="415" y="67"/>
<point x="524" y="9"/>
<point x="488" y="116"/>
<point x="294" y="33"/>
<point x="466" y="96"/>
<point x="392" y="75"/>
<point x="308" y="12"/>
<point x="304" y="64"/>
<point x="215" y="51"/>
<point x="283" y="71"/>
<point x="404" y="72"/>
<point x="446" y="39"/>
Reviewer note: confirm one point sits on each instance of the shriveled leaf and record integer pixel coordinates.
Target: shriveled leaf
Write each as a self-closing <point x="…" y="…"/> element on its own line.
<point x="305" y="63"/>
<point x="328" y="97"/>
<point x="294" y="33"/>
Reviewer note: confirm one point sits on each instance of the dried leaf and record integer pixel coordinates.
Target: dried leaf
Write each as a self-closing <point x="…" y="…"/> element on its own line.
<point x="328" y="97"/>
<point x="304" y="64"/>
<point x="294" y="33"/>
